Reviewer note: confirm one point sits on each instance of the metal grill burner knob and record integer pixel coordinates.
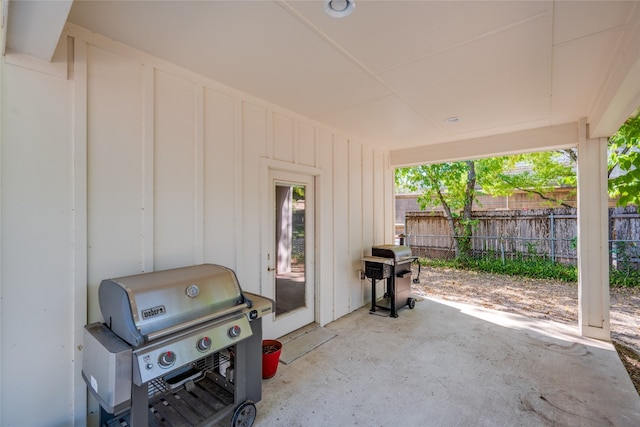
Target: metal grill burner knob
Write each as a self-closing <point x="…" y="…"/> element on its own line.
<point x="167" y="359"/>
<point x="204" y="344"/>
<point x="234" y="331"/>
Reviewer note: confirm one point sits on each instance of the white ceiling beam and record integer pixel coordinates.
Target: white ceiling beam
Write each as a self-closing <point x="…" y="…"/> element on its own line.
<point x="34" y="27"/>
<point x="526" y="141"/>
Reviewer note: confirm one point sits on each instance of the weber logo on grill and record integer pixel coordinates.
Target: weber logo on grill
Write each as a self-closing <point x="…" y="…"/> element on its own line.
<point x="153" y="312"/>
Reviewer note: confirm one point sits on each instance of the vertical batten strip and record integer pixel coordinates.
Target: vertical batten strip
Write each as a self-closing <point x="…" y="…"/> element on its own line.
<point x="147" y="198"/>
<point x="341" y="237"/>
<point x="325" y="280"/>
<point x="79" y="272"/>
<point x="270" y="137"/>
<point x="238" y="181"/>
<point x="379" y="197"/>
<point x="389" y="199"/>
<point x="355" y="224"/>
<point x="198" y="172"/>
<point x="295" y="132"/>
<point x="368" y="213"/>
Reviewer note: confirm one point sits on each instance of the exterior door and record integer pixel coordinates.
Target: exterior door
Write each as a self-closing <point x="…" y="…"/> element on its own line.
<point x="289" y="271"/>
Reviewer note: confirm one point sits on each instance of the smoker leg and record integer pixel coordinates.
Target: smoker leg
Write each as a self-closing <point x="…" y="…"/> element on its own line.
<point x="373" y="296"/>
<point x="139" y="405"/>
<point x="392" y="294"/>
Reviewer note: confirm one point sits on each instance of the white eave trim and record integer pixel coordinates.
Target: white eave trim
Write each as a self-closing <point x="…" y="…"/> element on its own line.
<point x="34" y="28"/>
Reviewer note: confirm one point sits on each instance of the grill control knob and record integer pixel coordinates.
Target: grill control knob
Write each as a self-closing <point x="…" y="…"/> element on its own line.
<point x="167" y="359"/>
<point x="204" y="344"/>
<point x="234" y="331"/>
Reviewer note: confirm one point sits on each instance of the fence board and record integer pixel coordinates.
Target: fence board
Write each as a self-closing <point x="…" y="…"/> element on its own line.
<point x="548" y="233"/>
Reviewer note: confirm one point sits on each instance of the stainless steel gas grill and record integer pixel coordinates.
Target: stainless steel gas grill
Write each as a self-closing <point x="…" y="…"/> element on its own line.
<point x="179" y="347"/>
<point x="391" y="263"/>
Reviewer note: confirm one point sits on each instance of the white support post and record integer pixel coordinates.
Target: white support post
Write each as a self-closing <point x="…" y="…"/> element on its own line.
<point x="593" y="238"/>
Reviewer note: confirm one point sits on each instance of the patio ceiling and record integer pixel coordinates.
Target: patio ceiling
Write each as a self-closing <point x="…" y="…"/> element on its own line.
<point x="393" y="72"/>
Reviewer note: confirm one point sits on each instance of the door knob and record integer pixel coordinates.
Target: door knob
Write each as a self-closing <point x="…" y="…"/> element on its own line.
<point x="271" y="269"/>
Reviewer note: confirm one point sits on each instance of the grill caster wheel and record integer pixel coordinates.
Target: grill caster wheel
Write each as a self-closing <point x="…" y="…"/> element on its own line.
<point x="411" y="303"/>
<point x="244" y="415"/>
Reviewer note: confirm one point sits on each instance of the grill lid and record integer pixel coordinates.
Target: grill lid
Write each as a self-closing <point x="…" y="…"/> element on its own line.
<point x="142" y="306"/>
<point x="395" y="252"/>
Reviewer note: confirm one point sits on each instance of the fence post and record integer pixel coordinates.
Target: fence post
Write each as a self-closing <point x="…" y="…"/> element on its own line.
<point x="552" y="240"/>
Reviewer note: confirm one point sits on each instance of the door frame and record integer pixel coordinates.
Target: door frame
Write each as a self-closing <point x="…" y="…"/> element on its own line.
<point x="266" y="166"/>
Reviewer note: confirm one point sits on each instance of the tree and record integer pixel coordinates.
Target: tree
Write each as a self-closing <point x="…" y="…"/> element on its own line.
<point x="624" y="163"/>
<point x="540" y="174"/>
<point x="451" y="186"/>
<point x="455" y="186"/>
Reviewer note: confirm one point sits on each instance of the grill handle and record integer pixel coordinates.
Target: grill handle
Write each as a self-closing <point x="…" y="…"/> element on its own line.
<point x="190" y="323"/>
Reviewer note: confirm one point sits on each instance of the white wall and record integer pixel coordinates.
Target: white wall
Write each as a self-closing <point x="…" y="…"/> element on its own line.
<point x="36" y="303"/>
<point x="131" y="165"/>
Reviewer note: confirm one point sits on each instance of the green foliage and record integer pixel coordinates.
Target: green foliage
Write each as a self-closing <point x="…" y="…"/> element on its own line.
<point x="438" y="183"/>
<point x="625" y="272"/>
<point x="621" y="278"/>
<point x="536" y="268"/>
<point x="533" y="267"/>
<point x="451" y="186"/>
<point x="298" y="192"/>
<point x="534" y="173"/>
<point x="624" y="158"/>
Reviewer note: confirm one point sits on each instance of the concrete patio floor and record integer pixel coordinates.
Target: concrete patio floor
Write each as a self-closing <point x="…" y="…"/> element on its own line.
<point x="449" y="364"/>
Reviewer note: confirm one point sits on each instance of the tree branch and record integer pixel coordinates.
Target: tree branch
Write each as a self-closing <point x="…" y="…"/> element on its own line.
<point x="544" y="197"/>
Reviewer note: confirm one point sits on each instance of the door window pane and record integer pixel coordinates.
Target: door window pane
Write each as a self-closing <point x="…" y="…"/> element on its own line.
<point x="290" y="248"/>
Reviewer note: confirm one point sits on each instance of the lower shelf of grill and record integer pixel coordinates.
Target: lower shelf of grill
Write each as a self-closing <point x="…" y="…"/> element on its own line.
<point x="205" y="404"/>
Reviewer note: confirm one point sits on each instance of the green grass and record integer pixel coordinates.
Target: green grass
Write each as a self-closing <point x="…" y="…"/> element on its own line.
<point x="624" y="278"/>
<point x="536" y="268"/>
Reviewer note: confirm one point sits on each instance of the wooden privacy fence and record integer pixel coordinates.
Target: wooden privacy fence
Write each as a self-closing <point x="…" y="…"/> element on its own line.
<point x="550" y="233"/>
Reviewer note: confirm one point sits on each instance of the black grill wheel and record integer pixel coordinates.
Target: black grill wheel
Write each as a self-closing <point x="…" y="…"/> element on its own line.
<point x="244" y="415"/>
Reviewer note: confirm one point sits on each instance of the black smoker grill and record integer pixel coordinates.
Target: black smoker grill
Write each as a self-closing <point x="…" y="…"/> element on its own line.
<point x="179" y="347"/>
<point x="393" y="264"/>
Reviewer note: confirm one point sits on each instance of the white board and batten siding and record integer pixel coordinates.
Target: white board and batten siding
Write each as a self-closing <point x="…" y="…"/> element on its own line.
<point x="37" y="312"/>
<point x="137" y="165"/>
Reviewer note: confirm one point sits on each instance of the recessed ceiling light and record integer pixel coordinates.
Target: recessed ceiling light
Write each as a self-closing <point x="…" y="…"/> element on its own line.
<point x="339" y="8"/>
<point x="452" y="119"/>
